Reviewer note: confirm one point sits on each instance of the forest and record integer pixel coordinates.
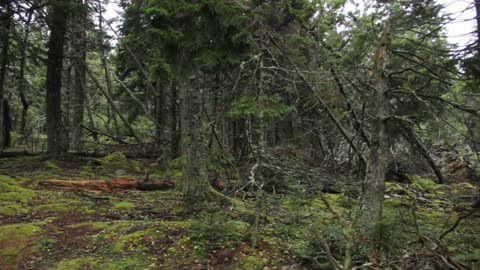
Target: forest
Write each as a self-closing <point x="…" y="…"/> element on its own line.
<point x="239" y="134"/>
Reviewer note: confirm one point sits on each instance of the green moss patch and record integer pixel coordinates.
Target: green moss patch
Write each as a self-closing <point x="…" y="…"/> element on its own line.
<point x="13" y="196"/>
<point x="124" y="205"/>
<point x="118" y="161"/>
<point x="17" y="240"/>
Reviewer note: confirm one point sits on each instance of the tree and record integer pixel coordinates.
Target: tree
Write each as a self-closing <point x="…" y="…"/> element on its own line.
<point x="5" y="139"/>
<point x="57" y="142"/>
<point x="371" y="206"/>
<point x="79" y="30"/>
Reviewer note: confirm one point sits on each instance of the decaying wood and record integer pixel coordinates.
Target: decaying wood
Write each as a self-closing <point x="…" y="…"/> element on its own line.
<point x="114" y="184"/>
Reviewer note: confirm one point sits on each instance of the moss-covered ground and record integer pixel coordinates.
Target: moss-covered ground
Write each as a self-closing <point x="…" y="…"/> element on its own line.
<point x="43" y="227"/>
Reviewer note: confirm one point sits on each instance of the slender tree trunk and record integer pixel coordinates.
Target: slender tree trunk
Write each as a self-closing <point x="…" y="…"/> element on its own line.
<point x="195" y="179"/>
<point x="4" y="110"/>
<point x="411" y="137"/>
<point x="91" y="122"/>
<point x="175" y="132"/>
<point x="371" y="211"/>
<point x="114" y="106"/>
<point x="79" y="65"/>
<point x="57" y="144"/>
<point x="21" y="76"/>
<point x="165" y="122"/>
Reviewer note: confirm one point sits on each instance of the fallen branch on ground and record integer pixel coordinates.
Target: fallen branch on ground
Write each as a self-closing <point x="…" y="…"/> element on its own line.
<point x="114" y="184"/>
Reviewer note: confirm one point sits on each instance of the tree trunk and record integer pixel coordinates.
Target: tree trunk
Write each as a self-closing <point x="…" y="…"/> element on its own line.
<point x="57" y="144"/>
<point x="165" y="122"/>
<point x="21" y="77"/>
<point x="195" y="180"/>
<point x="410" y="136"/>
<point x="175" y="132"/>
<point x="79" y="64"/>
<point x="4" y="117"/>
<point x="374" y="188"/>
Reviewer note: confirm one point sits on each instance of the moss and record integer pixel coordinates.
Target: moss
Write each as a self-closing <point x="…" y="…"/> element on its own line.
<point x="92" y="225"/>
<point x="16" y="239"/>
<point x="75" y="264"/>
<point x="393" y="188"/>
<point x="13" y="196"/>
<point x="178" y="209"/>
<point x="250" y="262"/>
<point x="139" y="240"/>
<point x="116" y="161"/>
<point x="49" y="164"/>
<point x="55" y="207"/>
<point x="11" y="209"/>
<point x="393" y="203"/>
<point x="124" y="205"/>
<point x="424" y="184"/>
<point x="138" y="261"/>
<point x="464" y="187"/>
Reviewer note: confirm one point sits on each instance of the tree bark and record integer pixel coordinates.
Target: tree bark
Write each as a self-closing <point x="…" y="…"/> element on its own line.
<point x="165" y="122"/>
<point x="21" y="77"/>
<point x="4" y="118"/>
<point x="195" y="179"/>
<point x="57" y="145"/>
<point x="371" y="207"/>
<point x="79" y="64"/>
<point x="175" y="132"/>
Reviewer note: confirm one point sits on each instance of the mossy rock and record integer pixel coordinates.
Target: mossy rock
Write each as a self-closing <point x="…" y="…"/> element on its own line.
<point x="118" y="160"/>
<point x="424" y="184"/>
<point x="123" y="205"/>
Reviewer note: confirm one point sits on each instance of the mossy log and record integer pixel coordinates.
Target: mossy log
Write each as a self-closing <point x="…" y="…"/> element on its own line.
<point x="114" y="184"/>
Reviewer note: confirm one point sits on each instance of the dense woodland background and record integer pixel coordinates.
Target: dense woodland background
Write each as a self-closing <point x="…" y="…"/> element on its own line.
<point x="255" y="100"/>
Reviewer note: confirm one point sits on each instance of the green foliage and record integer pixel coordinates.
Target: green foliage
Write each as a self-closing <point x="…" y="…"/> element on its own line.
<point x="269" y="107"/>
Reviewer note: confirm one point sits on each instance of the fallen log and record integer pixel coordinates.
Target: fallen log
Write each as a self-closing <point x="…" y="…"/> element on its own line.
<point x="114" y="184"/>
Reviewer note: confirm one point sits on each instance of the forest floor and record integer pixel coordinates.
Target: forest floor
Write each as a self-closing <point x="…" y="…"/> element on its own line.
<point x="50" y="227"/>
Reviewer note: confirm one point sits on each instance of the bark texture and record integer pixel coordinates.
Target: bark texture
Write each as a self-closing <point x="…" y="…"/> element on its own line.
<point x="79" y="69"/>
<point x="5" y="38"/>
<point x="374" y="188"/>
<point x="57" y="143"/>
<point x="195" y="180"/>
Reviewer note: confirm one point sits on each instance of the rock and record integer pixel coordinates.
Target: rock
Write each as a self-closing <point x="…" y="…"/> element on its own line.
<point x="120" y="172"/>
